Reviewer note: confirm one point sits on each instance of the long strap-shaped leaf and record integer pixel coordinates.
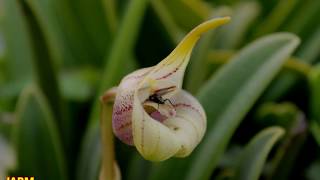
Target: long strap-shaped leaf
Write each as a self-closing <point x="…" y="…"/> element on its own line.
<point x="235" y="89"/>
<point x="46" y="78"/>
<point x="227" y="97"/>
<point x="13" y="25"/>
<point x="255" y="154"/>
<point x="308" y="53"/>
<point x="314" y="83"/>
<point x="37" y="141"/>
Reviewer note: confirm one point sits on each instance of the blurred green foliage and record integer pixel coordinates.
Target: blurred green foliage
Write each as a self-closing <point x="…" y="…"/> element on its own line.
<point x="58" y="56"/>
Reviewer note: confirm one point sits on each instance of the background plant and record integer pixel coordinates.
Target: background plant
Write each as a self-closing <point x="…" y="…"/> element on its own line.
<point x="58" y="56"/>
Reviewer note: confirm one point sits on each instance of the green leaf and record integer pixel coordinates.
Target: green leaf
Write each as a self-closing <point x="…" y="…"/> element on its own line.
<point x="17" y="41"/>
<point x="47" y="80"/>
<point x="234" y="91"/>
<point x="304" y="19"/>
<point x="277" y="17"/>
<point x="71" y="39"/>
<point x="311" y="47"/>
<point x="255" y="154"/>
<point x="314" y="83"/>
<point x="99" y="21"/>
<point x="227" y="97"/>
<point x="15" y="55"/>
<point x="308" y="53"/>
<point x="315" y="130"/>
<point x="37" y="141"/>
<point x="138" y="168"/>
<point x="293" y="120"/>
<point x="88" y="167"/>
<point x="45" y="16"/>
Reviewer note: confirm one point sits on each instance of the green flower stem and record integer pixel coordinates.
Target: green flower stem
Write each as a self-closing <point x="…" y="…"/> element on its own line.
<point x="111" y="15"/>
<point x="294" y="64"/>
<point x="108" y="154"/>
<point x="298" y="66"/>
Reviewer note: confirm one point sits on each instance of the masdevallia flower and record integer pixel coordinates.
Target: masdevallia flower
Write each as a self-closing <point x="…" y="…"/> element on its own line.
<point x="153" y="113"/>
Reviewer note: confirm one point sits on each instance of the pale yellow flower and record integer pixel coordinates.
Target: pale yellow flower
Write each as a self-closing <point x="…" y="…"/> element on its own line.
<point x="151" y="110"/>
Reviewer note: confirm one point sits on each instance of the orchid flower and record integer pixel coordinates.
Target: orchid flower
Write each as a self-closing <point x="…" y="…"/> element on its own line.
<point x="151" y="110"/>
